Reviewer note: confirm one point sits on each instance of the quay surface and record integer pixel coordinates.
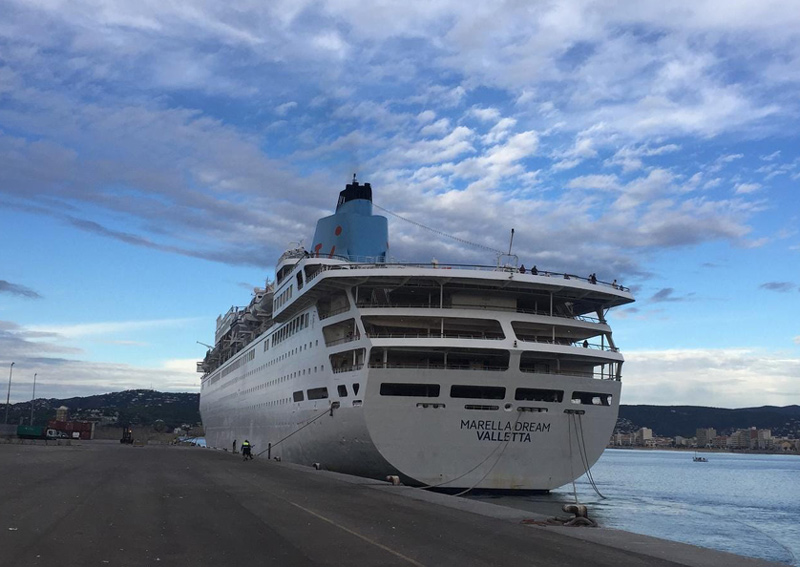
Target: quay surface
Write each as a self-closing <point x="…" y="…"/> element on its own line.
<point x="102" y="503"/>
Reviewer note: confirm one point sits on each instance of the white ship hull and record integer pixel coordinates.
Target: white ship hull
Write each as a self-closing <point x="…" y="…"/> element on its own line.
<point x="430" y="441"/>
<point x="470" y="377"/>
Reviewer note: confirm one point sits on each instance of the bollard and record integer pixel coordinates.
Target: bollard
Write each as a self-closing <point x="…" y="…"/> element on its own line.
<point x="269" y="451"/>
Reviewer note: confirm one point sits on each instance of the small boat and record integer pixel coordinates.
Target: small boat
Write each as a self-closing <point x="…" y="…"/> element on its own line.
<point x="697" y="459"/>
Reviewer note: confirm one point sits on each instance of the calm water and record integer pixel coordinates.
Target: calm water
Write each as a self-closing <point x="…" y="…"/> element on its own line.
<point x="744" y="504"/>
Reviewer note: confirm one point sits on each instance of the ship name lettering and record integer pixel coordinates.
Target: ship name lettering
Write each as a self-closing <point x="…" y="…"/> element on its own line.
<point x="489" y="430"/>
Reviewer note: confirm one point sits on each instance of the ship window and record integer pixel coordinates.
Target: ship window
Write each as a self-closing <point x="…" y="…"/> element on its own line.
<point x="342" y="389"/>
<point x="411" y="390"/>
<point x="298" y="396"/>
<point x="355" y="388"/>
<point x="537" y="395"/>
<point x="317" y="393"/>
<point x="483" y="408"/>
<point x="478" y="392"/>
<point x="591" y="399"/>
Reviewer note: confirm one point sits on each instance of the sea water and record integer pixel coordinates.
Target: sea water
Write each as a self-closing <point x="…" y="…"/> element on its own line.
<point x="746" y="504"/>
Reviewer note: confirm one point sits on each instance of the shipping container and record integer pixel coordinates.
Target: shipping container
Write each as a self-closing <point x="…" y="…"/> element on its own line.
<point x="83" y="429"/>
<point x="30" y="432"/>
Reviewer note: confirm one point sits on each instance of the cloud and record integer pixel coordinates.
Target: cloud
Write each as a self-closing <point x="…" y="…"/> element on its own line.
<point x="667" y="295"/>
<point x="17" y="289"/>
<point x="728" y="378"/>
<point x="778" y="286"/>
<point x="743" y="188"/>
<point x="283" y="109"/>
<point x="106" y="328"/>
<point x="602" y="182"/>
<point x="448" y="105"/>
<point x="63" y="372"/>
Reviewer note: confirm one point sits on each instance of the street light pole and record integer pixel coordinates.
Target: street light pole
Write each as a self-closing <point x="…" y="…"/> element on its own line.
<point x="33" y="397"/>
<point x="8" y="396"/>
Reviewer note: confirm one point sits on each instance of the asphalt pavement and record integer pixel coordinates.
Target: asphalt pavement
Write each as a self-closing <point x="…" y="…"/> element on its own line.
<point x="101" y="503"/>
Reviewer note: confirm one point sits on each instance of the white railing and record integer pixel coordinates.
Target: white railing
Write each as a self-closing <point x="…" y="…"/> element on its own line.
<point x="574" y="373"/>
<point x="436" y="335"/>
<point x="578" y="344"/>
<point x="369" y="305"/>
<point x="369" y="263"/>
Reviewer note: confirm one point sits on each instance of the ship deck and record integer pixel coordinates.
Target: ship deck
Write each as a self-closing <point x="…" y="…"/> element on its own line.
<point x="103" y="503"/>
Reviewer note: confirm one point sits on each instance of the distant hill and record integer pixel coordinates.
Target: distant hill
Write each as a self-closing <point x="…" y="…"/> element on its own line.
<point x="135" y="407"/>
<point x="669" y="421"/>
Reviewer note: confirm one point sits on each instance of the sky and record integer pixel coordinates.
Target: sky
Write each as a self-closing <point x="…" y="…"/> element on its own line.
<point x="157" y="157"/>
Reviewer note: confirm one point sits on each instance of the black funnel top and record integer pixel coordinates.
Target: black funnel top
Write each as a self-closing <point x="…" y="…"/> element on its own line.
<point x="353" y="191"/>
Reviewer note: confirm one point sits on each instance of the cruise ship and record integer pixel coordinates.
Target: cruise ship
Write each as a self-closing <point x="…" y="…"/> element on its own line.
<point x="448" y="376"/>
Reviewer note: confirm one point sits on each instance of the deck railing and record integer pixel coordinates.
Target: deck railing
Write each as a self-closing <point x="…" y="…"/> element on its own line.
<point x="376" y="305"/>
<point x="575" y="373"/>
<point x="370" y="263"/>
<point x="435" y="335"/>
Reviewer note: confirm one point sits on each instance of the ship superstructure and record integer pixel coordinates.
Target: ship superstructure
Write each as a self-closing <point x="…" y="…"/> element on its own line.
<point x="450" y="376"/>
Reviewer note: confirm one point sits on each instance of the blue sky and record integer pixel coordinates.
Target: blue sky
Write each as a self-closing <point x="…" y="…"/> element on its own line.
<point x="156" y="158"/>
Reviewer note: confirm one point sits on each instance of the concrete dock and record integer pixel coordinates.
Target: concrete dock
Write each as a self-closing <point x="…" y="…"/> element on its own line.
<point x="102" y="503"/>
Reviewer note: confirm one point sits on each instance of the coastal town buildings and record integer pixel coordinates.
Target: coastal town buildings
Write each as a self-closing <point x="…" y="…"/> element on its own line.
<point x="751" y="439"/>
<point x="705" y="437"/>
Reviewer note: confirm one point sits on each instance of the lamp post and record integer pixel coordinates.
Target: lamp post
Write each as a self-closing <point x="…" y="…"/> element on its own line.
<point x="33" y="397"/>
<point x="8" y="396"/>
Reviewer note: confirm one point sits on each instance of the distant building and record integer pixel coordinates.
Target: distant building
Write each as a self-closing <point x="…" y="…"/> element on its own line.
<point x="681" y="441"/>
<point x="623" y="439"/>
<point x="719" y="442"/>
<point x="706" y="436"/>
<point x="644" y="437"/>
<point x="739" y="439"/>
<point x="764" y="439"/>
<point x="62" y="413"/>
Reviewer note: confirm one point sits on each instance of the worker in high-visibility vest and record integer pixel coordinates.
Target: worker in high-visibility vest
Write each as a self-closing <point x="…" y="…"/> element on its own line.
<point x="246" y="446"/>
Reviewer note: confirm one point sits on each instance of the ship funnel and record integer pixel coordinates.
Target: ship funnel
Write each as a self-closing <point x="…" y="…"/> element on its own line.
<point x="353" y="231"/>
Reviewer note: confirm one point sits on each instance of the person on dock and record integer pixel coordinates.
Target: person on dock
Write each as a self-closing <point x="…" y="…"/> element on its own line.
<point x="246" y="450"/>
<point x="234" y="445"/>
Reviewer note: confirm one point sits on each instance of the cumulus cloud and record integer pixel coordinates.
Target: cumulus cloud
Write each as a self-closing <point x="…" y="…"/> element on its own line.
<point x="743" y="188"/>
<point x="283" y="109"/>
<point x="569" y="86"/>
<point x="711" y="377"/>
<point x="64" y="370"/>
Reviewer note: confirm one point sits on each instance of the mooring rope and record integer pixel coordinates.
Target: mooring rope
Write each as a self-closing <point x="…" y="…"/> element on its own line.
<point x="273" y="445"/>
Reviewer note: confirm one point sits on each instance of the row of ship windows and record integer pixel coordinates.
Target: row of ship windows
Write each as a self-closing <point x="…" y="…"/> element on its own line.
<point x="250" y="356"/>
<point x="494" y="393"/>
<point x="273" y="403"/>
<point x="289" y="376"/>
<point x="282" y="298"/>
<point x="297" y="324"/>
<point x="322" y="393"/>
<point x="292" y="352"/>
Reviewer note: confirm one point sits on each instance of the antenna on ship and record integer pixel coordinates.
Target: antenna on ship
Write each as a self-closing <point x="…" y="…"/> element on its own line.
<point x="510" y="244"/>
<point x="204" y="344"/>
